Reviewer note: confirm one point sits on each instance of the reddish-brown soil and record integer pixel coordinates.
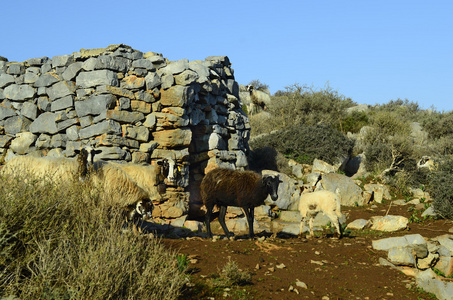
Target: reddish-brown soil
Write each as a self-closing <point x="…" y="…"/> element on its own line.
<point x="331" y="268"/>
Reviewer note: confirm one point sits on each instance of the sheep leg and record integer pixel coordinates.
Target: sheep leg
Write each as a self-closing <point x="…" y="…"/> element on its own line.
<point x="222" y="214"/>
<point x="302" y="223"/>
<point x="311" y="226"/>
<point x="249" y="213"/>
<point x="336" y="222"/>
<point x="208" y="221"/>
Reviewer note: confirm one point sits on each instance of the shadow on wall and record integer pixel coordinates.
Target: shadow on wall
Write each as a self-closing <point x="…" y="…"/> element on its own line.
<point x="263" y="159"/>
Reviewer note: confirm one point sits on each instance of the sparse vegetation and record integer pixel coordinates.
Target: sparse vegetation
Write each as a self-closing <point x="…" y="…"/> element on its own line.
<point x="62" y="243"/>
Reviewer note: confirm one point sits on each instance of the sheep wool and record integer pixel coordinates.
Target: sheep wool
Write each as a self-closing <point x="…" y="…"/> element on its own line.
<point x="320" y="201"/>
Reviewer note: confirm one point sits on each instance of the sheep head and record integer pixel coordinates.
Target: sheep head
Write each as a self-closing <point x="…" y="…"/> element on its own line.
<point x="142" y="209"/>
<point x="168" y="169"/>
<point x="272" y="183"/>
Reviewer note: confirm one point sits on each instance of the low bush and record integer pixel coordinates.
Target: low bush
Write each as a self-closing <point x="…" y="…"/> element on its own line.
<point x="61" y="242"/>
<point x="441" y="188"/>
<point x="305" y="143"/>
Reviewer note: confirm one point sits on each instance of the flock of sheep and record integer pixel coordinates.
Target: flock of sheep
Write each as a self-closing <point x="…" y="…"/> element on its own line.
<point x="134" y="186"/>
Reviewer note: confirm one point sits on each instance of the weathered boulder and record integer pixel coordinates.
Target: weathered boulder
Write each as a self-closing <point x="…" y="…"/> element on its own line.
<point x="350" y="193"/>
<point x="389" y="223"/>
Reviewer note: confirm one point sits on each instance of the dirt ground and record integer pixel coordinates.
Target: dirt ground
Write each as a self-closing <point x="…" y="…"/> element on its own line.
<point x="331" y="268"/>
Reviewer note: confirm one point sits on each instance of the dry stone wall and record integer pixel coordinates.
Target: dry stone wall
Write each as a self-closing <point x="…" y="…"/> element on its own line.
<point x="135" y="107"/>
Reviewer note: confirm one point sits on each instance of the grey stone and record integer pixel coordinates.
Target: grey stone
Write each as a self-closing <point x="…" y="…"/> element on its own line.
<point x="95" y="78"/>
<point x="86" y="121"/>
<point x="358" y="224"/>
<point x="18" y="92"/>
<point x="148" y="147"/>
<point x="429" y="282"/>
<point x="5" y="140"/>
<point x="185" y="78"/>
<point x="145" y="96"/>
<point x="16" y="69"/>
<point x="112" y="153"/>
<point x="157" y="60"/>
<point x="114" y="140"/>
<point x="43" y="141"/>
<point x="66" y="124"/>
<point x="62" y="103"/>
<point x="201" y="70"/>
<point x="95" y="105"/>
<point x="290" y="216"/>
<point x="388" y="223"/>
<point x="139" y="133"/>
<point x="72" y="71"/>
<point x="71" y="146"/>
<point x="220" y="60"/>
<point x="22" y="142"/>
<point x="401" y="256"/>
<point x="37" y="61"/>
<point x="167" y="81"/>
<point x="6" y="112"/>
<point x="143" y="63"/>
<point x="446" y="240"/>
<point x="16" y="124"/>
<point x="56" y="152"/>
<point x="118" y="64"/>
<point x="45" y="123"/>
<point x="46" y="80"/>
<point x="124" y="103"/>
<point x="44" y="104"/>
<point x="61" y="89"/>
<point x="31" y="75"/>
<point x="5" y="80"/>
<point x="175" y="67"/>
<point x="58" y="141"/>
<point x="150" y="121"/>
<point x="107" y="126"/>
<point x="350" y="193"/>
<point x="29" y="110"/>
<point x="403" y="241"/>
<point x="47" y="67"/>
<point x="152" y="81"/>
<point x="123" y="116"/>
<point x="62" y="60"/>
<point x="72" y="133"/>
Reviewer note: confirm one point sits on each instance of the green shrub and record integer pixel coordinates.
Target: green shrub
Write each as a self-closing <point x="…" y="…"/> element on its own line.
<point x="441" y="189"/>
<point x="302" y="105"/>
<point x="305" y="143"/>
<point x="353" y="122"/>
<point x="62" y="242"/>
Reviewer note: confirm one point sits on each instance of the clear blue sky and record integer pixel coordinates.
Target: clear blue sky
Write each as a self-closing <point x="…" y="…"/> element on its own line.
<point x="369" y="51"/>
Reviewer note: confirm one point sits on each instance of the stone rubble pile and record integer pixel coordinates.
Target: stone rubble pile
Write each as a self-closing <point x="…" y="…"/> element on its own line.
<point x="135" y="107"/>
<point x="416" y="256"/>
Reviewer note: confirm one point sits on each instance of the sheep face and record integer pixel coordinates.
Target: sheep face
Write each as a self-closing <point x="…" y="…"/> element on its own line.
<point x="142" y="209"/>
<point x="168" y="169"/>
<point x="272" y="183"/>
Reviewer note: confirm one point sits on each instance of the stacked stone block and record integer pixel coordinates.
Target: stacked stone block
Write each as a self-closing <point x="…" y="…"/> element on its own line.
<point x="135" y="107"/>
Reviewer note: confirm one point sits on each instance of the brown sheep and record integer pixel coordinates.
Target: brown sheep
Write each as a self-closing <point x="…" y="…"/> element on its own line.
<point x="245" y="189"/>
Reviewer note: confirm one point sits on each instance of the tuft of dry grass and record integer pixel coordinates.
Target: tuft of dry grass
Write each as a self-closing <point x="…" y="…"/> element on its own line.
<point x="62" y="242"/>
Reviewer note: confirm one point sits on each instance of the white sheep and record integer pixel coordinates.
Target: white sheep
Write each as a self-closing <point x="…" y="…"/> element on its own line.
<point x="258" y="99"/>
<point x="152" y="178"/>
<point x="311" y="204"/>
<point x="115" y="186"/>
<point x="55" y="169"/>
